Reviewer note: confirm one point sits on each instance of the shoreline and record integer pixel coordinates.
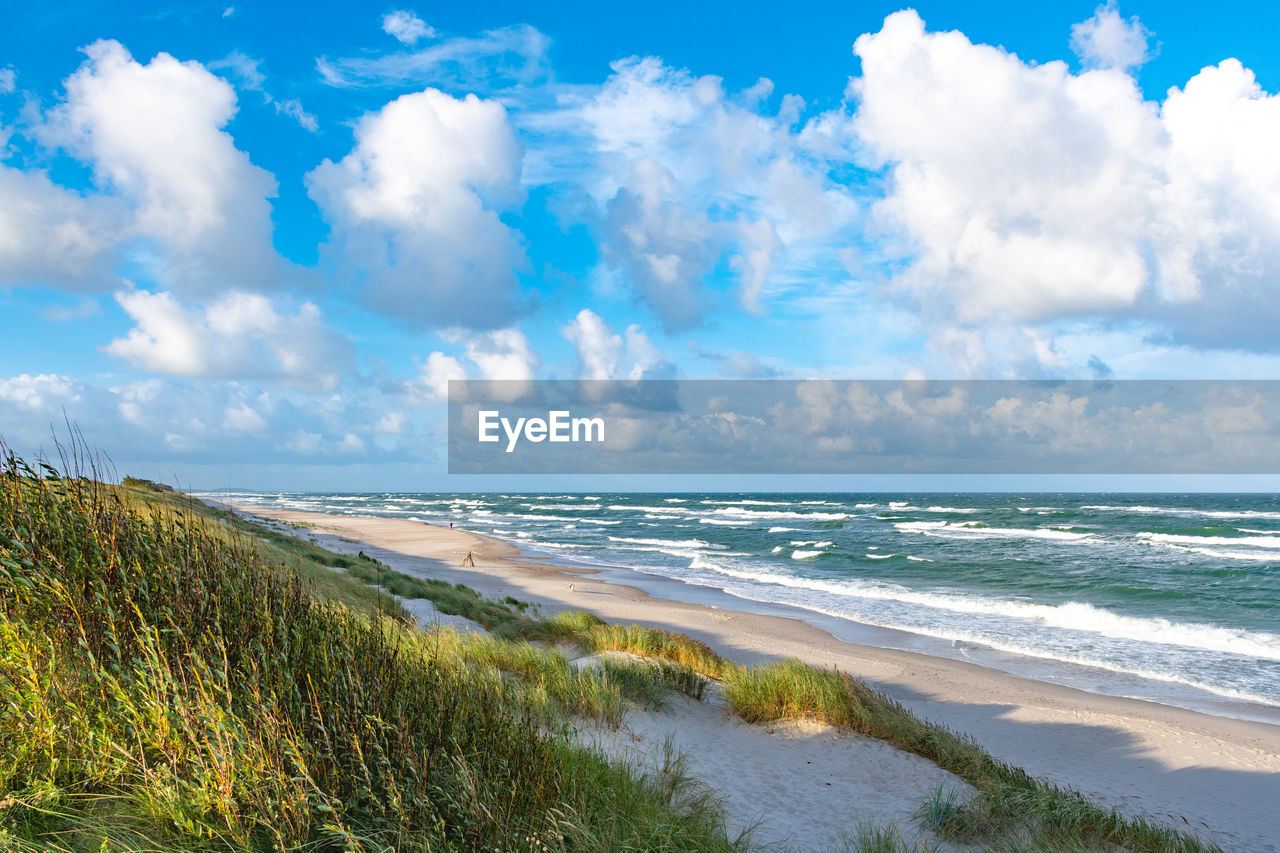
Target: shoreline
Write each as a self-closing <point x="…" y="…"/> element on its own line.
<point x="1216" y="775"/>
<point x="1086" y="678"/>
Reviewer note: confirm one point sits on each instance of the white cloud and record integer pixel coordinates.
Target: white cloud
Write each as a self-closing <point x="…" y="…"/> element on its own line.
<point x="406" y="27"/>
<point x="686" y="175"/>
<point x="8" y="80"/>
<point x="502" y="354"/>
<point x="414" y="210"/>
<point x="392" y="423"/>
<point x="241" y="417"/>
<point x="496" y="59"/>
<point x="599" y="350"/>
<point x="153" y="134"/>
<point x="605" y="355"/>
<point x="51" y="235"/>
<point x="499" y="354"/>
<point x="39" y="393"/>
<point x="304" y="443"/>
<point x="1025" y="194"/>
<point x="294" y="110"/>
<point x="432" y="384"/>
<point x="238" y="334"/>
<point x="243" y="68"/>
<point x="1108" y="41"/>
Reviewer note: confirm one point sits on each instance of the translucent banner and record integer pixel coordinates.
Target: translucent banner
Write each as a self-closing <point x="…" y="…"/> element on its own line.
<point x="864" y="427"/>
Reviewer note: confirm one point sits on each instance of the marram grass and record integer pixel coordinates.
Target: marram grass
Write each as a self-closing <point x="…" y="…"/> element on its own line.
<point x="166" y="689"/>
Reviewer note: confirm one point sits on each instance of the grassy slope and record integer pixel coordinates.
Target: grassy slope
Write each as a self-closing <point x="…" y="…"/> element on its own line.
<point x="166" y="689"/>
<point x="570" y="800"/>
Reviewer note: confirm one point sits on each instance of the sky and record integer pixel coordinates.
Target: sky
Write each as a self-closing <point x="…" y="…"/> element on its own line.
<point x="248" y="245"/>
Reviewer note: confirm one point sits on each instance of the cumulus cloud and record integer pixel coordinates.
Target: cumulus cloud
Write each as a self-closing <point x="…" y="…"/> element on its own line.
<point x="51" y="235"/>
<point x="40" y="393"/>
<point x="414" y="210"/>
<point x="498" y="354"/>
<point x="687" y="174"/>
<point x="602" y="354"/>
<point x="406" y="27"/>
<point x="8" y="80"/>
<point x="432" y="384"/>
<point x="502" y="354"/>
<point x="1108" y="41"/>
<point x="237" y="335"/>
<point x="1025" y="194"/>
<point x="153" y="134"/>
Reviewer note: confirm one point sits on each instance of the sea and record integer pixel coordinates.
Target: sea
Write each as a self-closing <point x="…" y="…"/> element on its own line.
<point x="1172" y="598"/>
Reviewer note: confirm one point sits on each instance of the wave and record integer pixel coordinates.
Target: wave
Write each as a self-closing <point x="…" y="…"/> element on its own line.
<point x="536" y="517"/>
<point x="957" y="509"/>
<point x="1071" y="615"/>
<point x="801" y="543"/>
<point x="666" y="510"/>
<point x="1256" y="556"/>
<point x="881" y="556"/>
<point x="806" y="555"/>
<point x="670" y="543"/>
<point x="753" y="513"/>
<point x="784" y="530"/>
<point x="1247" y="541"/>
<point x="1200" y="513"/>
<point x="950" y="530"/>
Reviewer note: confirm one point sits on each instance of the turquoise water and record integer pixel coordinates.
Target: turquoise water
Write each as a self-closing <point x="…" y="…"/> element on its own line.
<point x="1170" y="589"/>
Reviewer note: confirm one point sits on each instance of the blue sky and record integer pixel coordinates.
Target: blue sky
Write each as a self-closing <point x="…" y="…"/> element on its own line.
<point x="247" y="244"/>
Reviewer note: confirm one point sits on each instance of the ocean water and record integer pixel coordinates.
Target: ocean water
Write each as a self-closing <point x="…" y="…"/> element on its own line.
<point x="1116" y="591"/>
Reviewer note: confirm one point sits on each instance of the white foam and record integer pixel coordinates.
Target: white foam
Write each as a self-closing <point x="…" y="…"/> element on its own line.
<point x="753" y="513"/>
<point x="670" y="543"/>
<point x="1072" y="615"/>
<point x="1235" y="541"/>
<point x="1202" y="513"/>
<point x="950" y="530"/>
<point x="806" y="555"/>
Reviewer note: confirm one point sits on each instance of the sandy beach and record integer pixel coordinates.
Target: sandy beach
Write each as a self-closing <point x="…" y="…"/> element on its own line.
<point x="1215" y="776"/>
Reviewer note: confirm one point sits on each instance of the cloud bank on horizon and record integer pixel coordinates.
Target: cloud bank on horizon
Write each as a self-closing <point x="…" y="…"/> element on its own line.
<point x="189" y="288"/>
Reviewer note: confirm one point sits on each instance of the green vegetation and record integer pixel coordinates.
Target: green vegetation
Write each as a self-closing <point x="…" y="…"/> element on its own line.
<point x="167" y="689"/>
<point x="179" y="678"/>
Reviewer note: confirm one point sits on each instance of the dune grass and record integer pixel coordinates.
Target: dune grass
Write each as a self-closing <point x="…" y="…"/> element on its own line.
<point x="165" y="688"/>
<point x="1012" y="811"/>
